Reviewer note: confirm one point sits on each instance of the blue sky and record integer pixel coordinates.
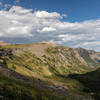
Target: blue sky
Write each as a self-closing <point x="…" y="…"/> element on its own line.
<point x="67" y="22"/>
<point x="77" y="10"/>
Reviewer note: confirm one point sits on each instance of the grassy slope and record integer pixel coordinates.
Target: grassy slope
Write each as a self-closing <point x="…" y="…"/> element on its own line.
<point x="53" y="66"/>
<point x="12" y="89"/>
<point x="91" y="82"/>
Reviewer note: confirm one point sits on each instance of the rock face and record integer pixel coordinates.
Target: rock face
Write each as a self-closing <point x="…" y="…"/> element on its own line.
<point x="3" y="43"/>
<point x="46" y="59"/>
<point x="89" y="56"/>
<point x="48" y="65"/>
<point x="95" y="56"/>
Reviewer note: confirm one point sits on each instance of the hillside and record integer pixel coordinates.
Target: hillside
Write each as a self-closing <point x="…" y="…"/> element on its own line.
<point x="44" y="67"/>
<point x="91" y="81"/>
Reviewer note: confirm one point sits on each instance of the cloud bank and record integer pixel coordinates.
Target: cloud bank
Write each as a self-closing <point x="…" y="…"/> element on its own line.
<point x="20" y="25"/>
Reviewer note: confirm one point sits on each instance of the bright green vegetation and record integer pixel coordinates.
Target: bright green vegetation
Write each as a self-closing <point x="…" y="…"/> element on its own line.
<point x="18" y="46"/>
<point x="52" y="68"/>
<point x="63" y="61"/>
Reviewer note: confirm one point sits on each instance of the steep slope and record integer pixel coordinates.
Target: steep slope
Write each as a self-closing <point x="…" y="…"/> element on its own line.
<point x="95" y="56"/>
<point x="91" y="81"/>
<point x="44" y="59"/>
<point x="48" y="65"/>
<point x="14" y="89"/>
<point x="91" y="57"/>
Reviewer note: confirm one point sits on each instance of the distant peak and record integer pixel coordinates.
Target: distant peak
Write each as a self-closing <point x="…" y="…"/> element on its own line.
<point x="3" y="43"/>
<point x="79" y="48"/>
<point x="44" y="42"/>
<point x="50" y="43"/>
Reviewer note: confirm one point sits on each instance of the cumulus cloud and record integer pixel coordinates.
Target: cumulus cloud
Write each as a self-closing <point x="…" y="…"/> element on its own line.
<point x="44" y="14"/>
<point x="19" y="10"/>
<point x="21" y="25"/>
<point x="47" y="29"/>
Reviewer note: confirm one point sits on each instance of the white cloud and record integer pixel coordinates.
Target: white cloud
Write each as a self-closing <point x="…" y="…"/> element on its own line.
<point x="92" y="43"/>
<point x="44" y="14"/>
<point x="19" y="10"/>
<point x="19" y="22"/>
<point x="47" y="29"/>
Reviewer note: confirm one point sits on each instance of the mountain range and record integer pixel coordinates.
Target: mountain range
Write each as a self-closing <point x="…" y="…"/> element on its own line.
<point x="46" y="71"/>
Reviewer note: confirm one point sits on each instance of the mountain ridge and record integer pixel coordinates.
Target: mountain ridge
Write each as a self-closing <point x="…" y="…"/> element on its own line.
<point x="48" y="66"/>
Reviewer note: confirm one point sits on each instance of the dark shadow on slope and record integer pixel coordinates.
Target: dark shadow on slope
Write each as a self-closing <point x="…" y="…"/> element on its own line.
<point x="19" y="87"/>
<point x="91" y="81"/>
<point x="28" y="88"/>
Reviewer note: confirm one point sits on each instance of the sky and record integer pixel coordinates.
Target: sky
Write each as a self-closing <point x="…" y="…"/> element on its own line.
<point x="74" y="23"/>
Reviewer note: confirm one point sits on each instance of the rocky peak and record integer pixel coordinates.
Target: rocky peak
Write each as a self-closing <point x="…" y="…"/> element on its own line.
<point x="3" y="43"/>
